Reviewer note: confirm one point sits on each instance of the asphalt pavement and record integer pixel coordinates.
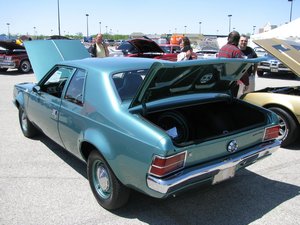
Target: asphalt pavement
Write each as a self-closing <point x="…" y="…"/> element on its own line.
<point x="41" y="184"/>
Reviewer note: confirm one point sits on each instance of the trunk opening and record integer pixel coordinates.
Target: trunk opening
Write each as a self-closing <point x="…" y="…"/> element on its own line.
<point x="193" y="124"/>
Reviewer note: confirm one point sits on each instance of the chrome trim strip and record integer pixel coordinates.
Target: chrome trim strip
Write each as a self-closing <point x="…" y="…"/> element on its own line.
<point x="182" y="178"/>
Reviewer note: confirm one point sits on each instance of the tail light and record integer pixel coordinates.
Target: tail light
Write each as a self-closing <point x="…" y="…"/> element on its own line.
<point x="271" y="133"/>
<point x="162" y="166"/>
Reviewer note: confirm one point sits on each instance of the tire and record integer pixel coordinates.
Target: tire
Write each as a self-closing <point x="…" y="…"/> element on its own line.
<point x="260" y="73"/>
<point x="289" y="130"/>
<point x="173" y="119"/>
<point x="108" y="190"/>
<point x="28" y="129"/>
<point x="25" y="66"/>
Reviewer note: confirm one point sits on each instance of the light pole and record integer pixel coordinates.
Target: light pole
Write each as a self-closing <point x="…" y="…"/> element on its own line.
<point x="87" y="25"/>
<point x="175" y="30"/>
<point x="253" y="29"/>
<point x="34" y="32"/>
<point x="106" y="29"/>
<point x="8" y="34"/>
<point x="229" y="17"/>
<point x="291" y="11"/>
<point x="184" y="29"/>
<point x="100" y="26"/>
<point x="58" y="17"/>
<point x="200" y="27"/>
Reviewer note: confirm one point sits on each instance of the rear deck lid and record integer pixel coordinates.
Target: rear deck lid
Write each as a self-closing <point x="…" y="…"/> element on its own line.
<point x="44" y="54"/>
<point x="169" y="79"/>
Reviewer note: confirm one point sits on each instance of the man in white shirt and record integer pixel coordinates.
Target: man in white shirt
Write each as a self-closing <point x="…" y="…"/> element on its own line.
<point x="99" y="49"/>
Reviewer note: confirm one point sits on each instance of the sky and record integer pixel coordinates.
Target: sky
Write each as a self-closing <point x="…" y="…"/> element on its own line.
<point x="147" y="16"/>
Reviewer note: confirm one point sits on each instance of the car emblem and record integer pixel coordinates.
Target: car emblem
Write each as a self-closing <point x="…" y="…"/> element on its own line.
<point x="232" y="146"/>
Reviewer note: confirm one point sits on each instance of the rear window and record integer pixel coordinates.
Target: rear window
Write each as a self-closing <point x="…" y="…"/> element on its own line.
<point x="127" y="83"/>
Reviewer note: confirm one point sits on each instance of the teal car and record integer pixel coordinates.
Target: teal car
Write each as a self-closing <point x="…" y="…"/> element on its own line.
<point x="154" y="126"/>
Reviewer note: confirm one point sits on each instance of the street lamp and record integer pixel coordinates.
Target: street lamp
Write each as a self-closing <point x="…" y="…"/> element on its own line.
<point x="253" y="29"/>
<point x="291" y="11"/>
<point x="100" y="26"/>
<point x="184" y="29"/>
<point x="8" y="34"/>
<point x="87" y="25"/>
<point x="106" y="29"/>
<point x="200" y="27"/>
<point x="58" y="17"/>
<point x="34" y="32"/>
<point x="229" y="17"/>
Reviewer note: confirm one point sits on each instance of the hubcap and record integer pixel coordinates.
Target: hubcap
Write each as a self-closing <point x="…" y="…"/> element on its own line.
<point x="24" y="121"/>
<point x="283" y="131"/>
<point x="101" y="180"/>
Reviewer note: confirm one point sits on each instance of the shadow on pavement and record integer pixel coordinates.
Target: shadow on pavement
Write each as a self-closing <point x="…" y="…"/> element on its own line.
<point x="241" y="200"/>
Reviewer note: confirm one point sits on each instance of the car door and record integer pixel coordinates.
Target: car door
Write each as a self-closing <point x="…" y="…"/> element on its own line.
<point x="44" y="103"/>
<point x="71" y="122"/>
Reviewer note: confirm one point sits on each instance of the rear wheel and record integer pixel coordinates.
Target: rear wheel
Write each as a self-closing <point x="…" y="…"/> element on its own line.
<point x="107" y="189"/>
<point x="25" y="66"/>
<point x="260" y="73"/>
<point x="289" y="130"/>
<point x="27" y="127"/>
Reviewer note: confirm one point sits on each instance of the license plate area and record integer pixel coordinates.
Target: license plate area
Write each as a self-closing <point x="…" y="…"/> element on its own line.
<point x="224" y="175"/>
<point x="274" y="70"/>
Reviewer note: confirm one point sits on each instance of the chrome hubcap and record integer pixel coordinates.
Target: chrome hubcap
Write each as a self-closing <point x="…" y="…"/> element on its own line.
<point x="24" y="121"/>
<point x="283" y="131"/>
<point x="103" y="179"/>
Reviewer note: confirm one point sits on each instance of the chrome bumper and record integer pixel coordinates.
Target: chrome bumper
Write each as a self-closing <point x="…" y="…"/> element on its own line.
<point x="201" y="173"/>
<point x="7" y="64"/>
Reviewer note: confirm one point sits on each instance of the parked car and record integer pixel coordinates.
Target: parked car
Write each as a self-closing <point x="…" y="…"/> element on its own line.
<point x="207" y="53"/>
<point x="146" y="48"/>
<point x="13" y="56"/>
<point x="154" y="126"/>
<point x="170" y="48"/>
<point x="272" y="65"/>
<point x="285" y="101"/>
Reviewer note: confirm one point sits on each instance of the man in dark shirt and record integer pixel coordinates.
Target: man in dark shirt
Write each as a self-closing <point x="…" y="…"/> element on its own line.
<point x="248" y="79"/>
<point x="231" y="50"/>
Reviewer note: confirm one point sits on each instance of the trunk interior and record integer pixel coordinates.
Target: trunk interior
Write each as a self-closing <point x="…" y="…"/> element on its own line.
<point x="189" y="125"/>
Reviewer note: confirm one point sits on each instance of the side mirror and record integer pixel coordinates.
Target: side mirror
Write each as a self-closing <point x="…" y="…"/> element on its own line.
<point x="36" y="89"/>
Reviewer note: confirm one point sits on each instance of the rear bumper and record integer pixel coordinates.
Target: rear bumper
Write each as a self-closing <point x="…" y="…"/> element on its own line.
<point x="195" y="175"/>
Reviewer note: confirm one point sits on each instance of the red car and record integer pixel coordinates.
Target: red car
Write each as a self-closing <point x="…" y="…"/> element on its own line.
<point x="146" y="48"/>
<point x="13" y="56"/>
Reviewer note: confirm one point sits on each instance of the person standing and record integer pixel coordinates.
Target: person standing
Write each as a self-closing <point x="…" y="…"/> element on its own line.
<point x="186" y="50"/>
<point x="99" y="48"/>
<point x="248" y="80"/>
<point x="231" y="50"/>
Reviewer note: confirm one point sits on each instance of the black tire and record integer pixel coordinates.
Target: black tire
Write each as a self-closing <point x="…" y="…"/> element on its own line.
<point x="25" y="66"/>
<point x="260" y="73"/>
<point x="173" y="119"/>
<point x="289" y="130"/>
<point x="108" y="190"/>
<point x="28" y="129"/>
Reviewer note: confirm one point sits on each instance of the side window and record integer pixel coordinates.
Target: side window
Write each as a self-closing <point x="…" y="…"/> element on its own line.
<point x="76" y="87"/>
<point x="54" y="84"/>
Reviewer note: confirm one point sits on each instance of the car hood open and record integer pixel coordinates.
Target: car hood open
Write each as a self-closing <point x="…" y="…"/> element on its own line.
<point x="10" y="45"/>
<point x="170" y="79"/>
<point x="145" y="45"/>
<point x="44" y="54"/>
<point x="288" y="52"/>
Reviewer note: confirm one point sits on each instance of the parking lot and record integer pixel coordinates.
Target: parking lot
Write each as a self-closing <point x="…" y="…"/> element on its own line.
<point x="40" y="183"/>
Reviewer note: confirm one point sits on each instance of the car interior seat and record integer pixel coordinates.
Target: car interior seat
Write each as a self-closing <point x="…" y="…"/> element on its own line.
<point x="131" y="83"/>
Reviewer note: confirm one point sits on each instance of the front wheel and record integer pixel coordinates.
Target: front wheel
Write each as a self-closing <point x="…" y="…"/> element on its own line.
<point x="107" y="189"/>
<point x="25" y="66"/>
<point x="260" y="73"/>
<point x="28" y="129"/>
<point x="289" y="130"/>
